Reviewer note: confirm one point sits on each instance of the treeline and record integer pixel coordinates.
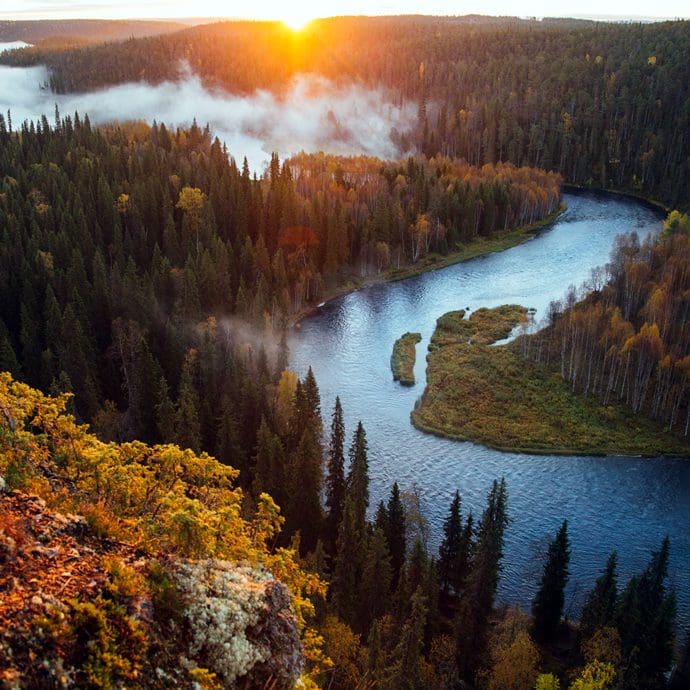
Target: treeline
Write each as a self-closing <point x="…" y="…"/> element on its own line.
<point x="128" y="254"/>
<point x="604" y="104"/>
<point x="64" y="31"/>
<point x="628" y="338"/>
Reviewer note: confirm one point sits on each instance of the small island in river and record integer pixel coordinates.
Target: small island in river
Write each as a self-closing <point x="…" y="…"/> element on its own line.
<point x="403" y="358"/>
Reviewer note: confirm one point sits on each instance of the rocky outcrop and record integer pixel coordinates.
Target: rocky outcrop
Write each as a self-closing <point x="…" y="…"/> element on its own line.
<point x="239" y="622"/>
<point x="64" y="606"/>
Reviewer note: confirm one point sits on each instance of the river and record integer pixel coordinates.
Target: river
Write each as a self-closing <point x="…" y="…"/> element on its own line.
<point x="621" y="503"/>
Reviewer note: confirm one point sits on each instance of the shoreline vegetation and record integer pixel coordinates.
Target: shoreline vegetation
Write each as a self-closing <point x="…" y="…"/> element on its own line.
<point x="494" y="396"/>
<point x="434" y="261"/>
<point x="404" y="357"/>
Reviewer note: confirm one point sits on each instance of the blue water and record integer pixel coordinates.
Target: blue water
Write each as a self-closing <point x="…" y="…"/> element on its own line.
<point x="627" y="504"/>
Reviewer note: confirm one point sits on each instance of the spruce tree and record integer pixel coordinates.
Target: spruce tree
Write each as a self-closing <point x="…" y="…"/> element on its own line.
<point x="335" y="477"/>
<point x="547" y="607"/>
<point x="477" y="601"/>
<point x="404" y="671"/>
<point x="347" y="570"/>
<point x="304" y="512"/>
<point x="450" y="545"/>
<point x="358" y="477"/>
<point x="376" y="581"/>
<point x="600" y="607"/>
<point x="396" y="533"/>
<point x="645" y="618"/>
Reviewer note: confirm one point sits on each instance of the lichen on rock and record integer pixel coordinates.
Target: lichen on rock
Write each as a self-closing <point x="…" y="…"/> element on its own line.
<point x="239" y="621"/>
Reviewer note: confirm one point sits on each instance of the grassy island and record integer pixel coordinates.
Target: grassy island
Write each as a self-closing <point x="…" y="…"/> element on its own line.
<point x="495" y="396"/>
<point x="403" y="358"/>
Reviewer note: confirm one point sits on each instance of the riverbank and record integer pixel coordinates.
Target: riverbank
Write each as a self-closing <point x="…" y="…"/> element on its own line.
<point x="432" y="262"/>
<point x="404" y="357"/>
<point x="494" y="396"/>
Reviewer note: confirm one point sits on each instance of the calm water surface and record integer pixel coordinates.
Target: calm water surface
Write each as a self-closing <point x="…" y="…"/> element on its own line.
<point x="627" y="504"/>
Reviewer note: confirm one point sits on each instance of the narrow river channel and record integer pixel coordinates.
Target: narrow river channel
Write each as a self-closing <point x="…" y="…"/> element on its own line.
<point x="627" y="504"/>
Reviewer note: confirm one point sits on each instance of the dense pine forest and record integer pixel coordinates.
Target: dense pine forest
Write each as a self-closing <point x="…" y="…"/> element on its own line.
<point x="128" y="253"/>
<point x="606" y="105"/>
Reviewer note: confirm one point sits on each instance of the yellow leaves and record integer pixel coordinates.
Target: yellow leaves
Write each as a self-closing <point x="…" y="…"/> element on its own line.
<point x="191" y="200"/>
<point x="159" y="497"/>
<point x="122" y="204"/>
<point x="651" y="60"/>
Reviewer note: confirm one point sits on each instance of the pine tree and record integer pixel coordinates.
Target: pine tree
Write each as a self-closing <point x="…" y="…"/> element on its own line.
<point x="335" y="477"/>
<point x="600" y="608"/>
<point x="376" y="581"/>
<point x="303" y="509"/>
<point x="187" y="425"/>
<point x="645" y="619"/>
<point x="477" y="601"/>
<point x="347" y="570"/>
<point x="404" y="671"/>
<point x="358" y="477"/>
<point x="547" y="607"/>
<point x="449" y="550"/>
<point x="396" y="533"/>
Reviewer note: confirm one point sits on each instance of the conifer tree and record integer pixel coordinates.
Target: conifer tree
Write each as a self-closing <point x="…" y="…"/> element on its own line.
<point x="600" y="608"/>
<point x="358" y="477"/>
<point x="645" y="619"/>
<point x="335" y="477"/>
<point x="471" y="623"/>
<point x="376" y="581"/>
<point x="187" y="425"/>
<point x="547" y="607"/>
<point x="449" y="550"/>
<point x="347" y="570"/>
<point x="396" y="533"/>
<point x="404" y="671"/>
<point x="303" y="509"/>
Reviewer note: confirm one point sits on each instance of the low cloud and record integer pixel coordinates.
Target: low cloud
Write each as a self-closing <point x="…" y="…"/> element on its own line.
<point x="313" y="115"/>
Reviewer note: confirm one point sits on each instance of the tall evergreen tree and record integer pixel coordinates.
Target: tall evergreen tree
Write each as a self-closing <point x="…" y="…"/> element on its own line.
<point x="347" y="570"/>
<point x="396" y="533"/>
<point x="600" y="607"/>
<point x="477" y="601"/>
<point x="187" y="425"/>
<point x="645" y="618"/>
<point x="376" y="581"/>
<point x="335" y="477"/>
<point x="304" y="512"/>
<point x="547" y="607"/>
<point x="449" y="550"/>
<point x="358" y="477"/>
<point x="404" y="671"/>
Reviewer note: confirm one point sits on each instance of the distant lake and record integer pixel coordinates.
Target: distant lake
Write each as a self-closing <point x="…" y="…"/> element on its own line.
<point x="627" y="504"/>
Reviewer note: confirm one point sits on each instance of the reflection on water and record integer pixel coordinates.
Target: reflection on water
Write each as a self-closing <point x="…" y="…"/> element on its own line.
<point x="627" y="504"/>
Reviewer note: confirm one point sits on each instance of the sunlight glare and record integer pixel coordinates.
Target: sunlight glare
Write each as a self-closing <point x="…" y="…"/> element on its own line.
<point x="297" y="19"/>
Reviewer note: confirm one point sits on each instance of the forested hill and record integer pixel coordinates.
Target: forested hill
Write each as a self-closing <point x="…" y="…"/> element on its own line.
<point x="605" y="104"/>
<point x="55" y="31"/>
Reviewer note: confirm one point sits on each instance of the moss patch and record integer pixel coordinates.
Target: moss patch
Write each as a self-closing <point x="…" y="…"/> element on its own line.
<point x="494" y="396"/>
<point x="403" y="358"/>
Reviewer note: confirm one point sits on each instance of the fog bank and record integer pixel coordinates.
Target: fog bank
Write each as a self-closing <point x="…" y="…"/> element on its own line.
<point x="313" y="115"/>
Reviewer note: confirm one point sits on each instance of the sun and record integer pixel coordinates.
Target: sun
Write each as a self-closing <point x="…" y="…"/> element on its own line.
<point x="296" y="19"/>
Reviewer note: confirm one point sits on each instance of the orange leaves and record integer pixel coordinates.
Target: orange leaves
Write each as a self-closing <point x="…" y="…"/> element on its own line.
<point x="297" y="236"/>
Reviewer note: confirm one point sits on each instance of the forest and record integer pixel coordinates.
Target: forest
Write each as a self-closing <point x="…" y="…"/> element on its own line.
<point x="627" y="339"/>
<point x="145" y="272"/>
<point x="605" y="104"/>
<point x="148" y="280"/>
<point x="394" y="616"/>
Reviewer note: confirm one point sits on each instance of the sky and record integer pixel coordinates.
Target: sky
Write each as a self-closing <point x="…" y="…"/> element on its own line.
<point x="301" y="10"/>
